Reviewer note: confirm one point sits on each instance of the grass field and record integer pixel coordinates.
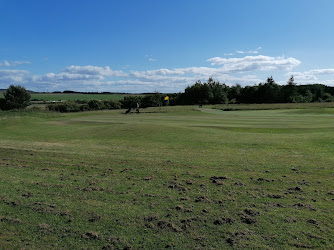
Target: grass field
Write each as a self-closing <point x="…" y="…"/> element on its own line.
<point x="74" y="97"/>
<point x="272" y="106"/>
<point x="172" y="177"/>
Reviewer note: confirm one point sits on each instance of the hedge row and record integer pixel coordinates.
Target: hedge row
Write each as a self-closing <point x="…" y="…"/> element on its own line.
<point x="152" y="100"/>
<point x="77" y="106"/>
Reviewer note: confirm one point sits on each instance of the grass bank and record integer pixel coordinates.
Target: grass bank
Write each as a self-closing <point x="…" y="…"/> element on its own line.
<point x="178" y="177"/>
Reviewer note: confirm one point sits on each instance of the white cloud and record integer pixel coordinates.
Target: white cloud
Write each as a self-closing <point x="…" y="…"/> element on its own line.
<point x="64" y="76"/>
<point x="253" y="52"/>
<point x="8" y="76"/>
<point x="150" y="58"/>
<point x="321" y="72"/>
<point x="312" y="76"/>
<point x="6" y="63"/>
<point x="93" y="70"/>
<point x="256" y="51"/>
<point x="253" y="63"/>
<point x="243" y="70"/>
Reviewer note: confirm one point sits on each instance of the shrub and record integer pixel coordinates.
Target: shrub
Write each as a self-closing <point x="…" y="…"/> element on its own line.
<point x="95" y="105"/>
<point x="64" y="107"/>
<point x="3" y="104"/>
<point x="153" y="100"/>
<point x="36" y="108"/>
<point x="131" y="101"/>
<point x="111" y="104"/>
<point x="17" y="97"/>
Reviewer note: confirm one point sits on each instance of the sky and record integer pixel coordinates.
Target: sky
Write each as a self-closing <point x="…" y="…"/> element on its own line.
<point x="163" y="45"/>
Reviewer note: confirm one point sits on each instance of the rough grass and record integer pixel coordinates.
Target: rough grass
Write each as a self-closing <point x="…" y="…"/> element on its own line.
<point x="273" y="106"/>
<point x="177" y="177"/>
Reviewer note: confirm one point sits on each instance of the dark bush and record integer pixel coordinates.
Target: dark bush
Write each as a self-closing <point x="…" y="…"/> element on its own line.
<point x="131" y="101"/>
<point x="17" y="97"/>
<point x="95" y="105"/>
<point x="64" y="107"/>
<point x="152" y="100"/>
<point x="3" y="104"/>
<point x="84" y="107"/>
<point x="111" y="104"/>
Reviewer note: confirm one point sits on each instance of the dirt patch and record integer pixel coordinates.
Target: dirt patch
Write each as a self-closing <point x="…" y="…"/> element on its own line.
<point x="90" y="235"/>
<point x="251" y="212"/>
<point x="235" y="237"/>
<point x="265" y="180"/>
<point x="313" y="222"/>
<point x="203" y="199"/>
<point x="290" y="220"/>
<point x="179" y="208"/>
<point x="48" y="209"/>
<point x="248" y="216"/>
<point x="175" y="185"/>
<point x="152" y="217"/>
<point x="304" y="182"/>
<point x="223" y="220"/>
<point x="275" y="196"/>
<point x="10" y="220"/>
<point x="8" y="202"/>
<point x="294" y="189"/>
<point x="27" y="194"/>
<point x="126" y="170"/>
<point x="167" y="225"/>
<point x="218" y="180"/>
<point x="248" y="220"/>
<point x="186" y="223"/>
<point x="302" y="205"/>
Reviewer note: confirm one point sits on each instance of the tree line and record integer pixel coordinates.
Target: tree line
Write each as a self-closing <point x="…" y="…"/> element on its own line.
<point x="210" y="92"/>
<point x="213" y="92"/>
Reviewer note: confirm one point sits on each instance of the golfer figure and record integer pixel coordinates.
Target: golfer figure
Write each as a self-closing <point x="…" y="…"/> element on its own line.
<point x="137" y="109"/>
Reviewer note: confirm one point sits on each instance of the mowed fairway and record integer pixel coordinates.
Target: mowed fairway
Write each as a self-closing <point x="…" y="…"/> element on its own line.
<point x="174" y="177"/>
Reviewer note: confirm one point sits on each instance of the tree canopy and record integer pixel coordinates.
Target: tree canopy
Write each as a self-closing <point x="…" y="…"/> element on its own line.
<point x="213" y="92"/>
<point x="17" y="97"/>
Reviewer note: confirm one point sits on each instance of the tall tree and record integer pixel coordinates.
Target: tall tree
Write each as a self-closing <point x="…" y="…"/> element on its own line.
<point x="289" y="91"/>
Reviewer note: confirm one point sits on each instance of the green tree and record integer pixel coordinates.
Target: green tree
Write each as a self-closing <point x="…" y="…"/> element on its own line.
<point x="3" y="104"/>
<point x="269" y="92"/>
<point x="17" y="97"/>
<point x="219" y="92"/>
<point x="234" y="93"/>
<point x="289" y="91"/>
<point x="95" y="105"/>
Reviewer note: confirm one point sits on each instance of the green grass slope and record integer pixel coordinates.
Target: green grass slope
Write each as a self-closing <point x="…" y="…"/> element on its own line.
<point x="174" y="177"/>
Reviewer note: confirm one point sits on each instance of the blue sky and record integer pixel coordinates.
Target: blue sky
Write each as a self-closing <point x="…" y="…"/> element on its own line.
<point x="165" y="45"/>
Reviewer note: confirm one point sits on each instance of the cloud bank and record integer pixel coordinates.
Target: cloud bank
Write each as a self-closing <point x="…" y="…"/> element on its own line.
<point x="247" y="70"/>
<point x="6" y="63"/>
<point x="253" y="63"/>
